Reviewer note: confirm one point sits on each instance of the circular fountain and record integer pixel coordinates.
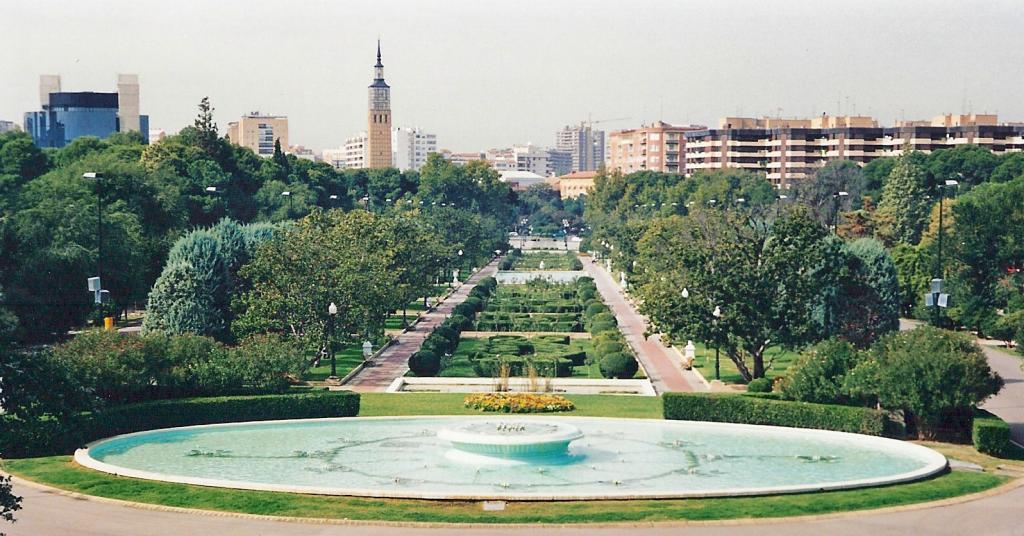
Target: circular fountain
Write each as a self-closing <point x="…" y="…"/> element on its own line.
<point x="516" y="458"/>
<point x="509" y="441"/>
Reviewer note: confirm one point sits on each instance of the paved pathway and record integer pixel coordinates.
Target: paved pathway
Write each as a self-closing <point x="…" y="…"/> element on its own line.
<point x="661" y="364"/>
<point x="55" y="514"/>
<point x="394" y="361"/>
<point x="1009" y="403"/>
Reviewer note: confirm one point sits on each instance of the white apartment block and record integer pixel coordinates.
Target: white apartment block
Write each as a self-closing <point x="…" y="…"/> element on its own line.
<point x="585" y="145"/>
<point x="410" y="147"/>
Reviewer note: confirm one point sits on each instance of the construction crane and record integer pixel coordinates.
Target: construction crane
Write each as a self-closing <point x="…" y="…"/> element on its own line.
<point x="590" y="122"/>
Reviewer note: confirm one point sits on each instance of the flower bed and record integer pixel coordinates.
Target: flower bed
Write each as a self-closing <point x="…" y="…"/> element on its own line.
<point x="518" y="403"/>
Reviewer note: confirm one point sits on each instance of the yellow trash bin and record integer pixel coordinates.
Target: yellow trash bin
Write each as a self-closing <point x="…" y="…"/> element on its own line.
<point x="108" y="323"/>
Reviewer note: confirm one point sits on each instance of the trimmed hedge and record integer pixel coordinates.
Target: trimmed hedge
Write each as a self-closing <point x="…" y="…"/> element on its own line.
<point x="490" y="367"/>
<point x="618" y="365"/>
<point x="990" y="434"/>
<point x="759" y="385"/>
<point x="425" y="363"/>
<point x="52" y="437"/>
<point x="753" y="410"/>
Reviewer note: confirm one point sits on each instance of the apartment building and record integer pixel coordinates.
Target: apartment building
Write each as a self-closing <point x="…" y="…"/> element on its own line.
<point x="259" y="132"/>
<point x="790" y="149"/>
<point x="411" y="147"/>
<point x="657" y="147"/>
<point x="585" y="146"/>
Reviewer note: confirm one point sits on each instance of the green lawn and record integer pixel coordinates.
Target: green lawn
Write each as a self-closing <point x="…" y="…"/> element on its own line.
<point x="705" y="363"/>
<point x="552" y="261"/>
<point x="347" y="359"/>
<point x="60" y="472"/>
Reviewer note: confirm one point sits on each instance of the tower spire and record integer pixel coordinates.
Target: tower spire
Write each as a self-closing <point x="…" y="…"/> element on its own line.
<point x="379" y="64"/>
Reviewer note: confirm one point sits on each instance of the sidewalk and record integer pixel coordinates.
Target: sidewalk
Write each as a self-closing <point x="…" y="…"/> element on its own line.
<point x="664" y="371"/>
<point x="394" y="361"/>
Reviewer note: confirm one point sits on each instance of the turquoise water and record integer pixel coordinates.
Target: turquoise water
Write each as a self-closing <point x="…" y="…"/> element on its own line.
<point x="404" y="457"/>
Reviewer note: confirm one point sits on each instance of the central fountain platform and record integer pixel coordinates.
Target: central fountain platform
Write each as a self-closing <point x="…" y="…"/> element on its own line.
<point x="510" y="440"/>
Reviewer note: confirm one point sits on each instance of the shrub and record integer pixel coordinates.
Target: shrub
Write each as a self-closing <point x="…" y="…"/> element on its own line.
<point x="555" y="339"/>
<point x="759" y="385"/>
<point x="425" y="363"/>
<point x="518" y="402"/>
<point x="490" y="367"/>
<point x="756" y="410"/>
<point x="594" y="309"/>
<point x="937" y="375"/>
<point x="449" y="334"/>
<point x="459" y="323"/>
<point x="607" y="348"/>
<point x="475" y="303"/>
<point x="818" y="375"/>
<point x="607" y="317"/>
<point x="990" y="434"/>
<point x="437" y="344"/>
<point x="620" y="366"/>
<point x="464" y="310"/>
<point x="52" y="436"/>
<point x="599" y="327"/>
<point x="268" y="363"/>
<point x="587" y="294"/>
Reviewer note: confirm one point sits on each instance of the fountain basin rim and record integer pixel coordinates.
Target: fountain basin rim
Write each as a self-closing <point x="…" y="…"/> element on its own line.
<point x="936" y="463"/>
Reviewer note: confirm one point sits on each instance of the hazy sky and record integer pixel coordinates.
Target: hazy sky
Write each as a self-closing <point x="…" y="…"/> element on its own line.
<point x="484" y="74"/>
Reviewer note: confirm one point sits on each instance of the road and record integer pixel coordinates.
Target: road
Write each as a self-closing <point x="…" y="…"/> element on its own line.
<point x="54" y="514"/>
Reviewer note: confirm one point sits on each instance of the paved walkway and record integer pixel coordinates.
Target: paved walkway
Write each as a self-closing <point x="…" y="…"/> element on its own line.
<point x="1009" y="403"/>
<point x="394" y="361"/>
<point x="55" y="514"/>
<point x="663" y="368"/>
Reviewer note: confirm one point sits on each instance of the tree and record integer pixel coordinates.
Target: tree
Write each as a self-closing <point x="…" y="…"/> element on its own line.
<point x="328" y="257"/>
<point x="986" y="244"/>
<point x="19" y="156"/>
<point x="903" y="212"/>
<point x="206" y="128"/>
<point x="192" y="293"/>
<point x="9" y="502"/>
<point x="867" y="303"/>
<point x="937" y="375"/>
<point x="820" y="191"/>
<point x="758" y="277"/>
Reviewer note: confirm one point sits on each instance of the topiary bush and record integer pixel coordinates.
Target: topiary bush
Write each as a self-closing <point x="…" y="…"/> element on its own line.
<point x="607" y="348"/>
<point x="449" y="334"/>
<point x="606" y="317"/>
<point x="595" y="309"/>
<point x="474" y="303"/>
<point x="620" y="366"/>
<point x="759" y="385"/>
<point x="459" y="323"/>
<point x="425" y="363"/>
<point x="599" y="327"/>
<point x="716" y="407"/>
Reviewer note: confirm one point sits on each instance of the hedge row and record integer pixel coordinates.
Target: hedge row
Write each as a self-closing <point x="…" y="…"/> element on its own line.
<point x="753" y="410"/>
<point x="51" y="436"/>
<point x="990" y="434"/>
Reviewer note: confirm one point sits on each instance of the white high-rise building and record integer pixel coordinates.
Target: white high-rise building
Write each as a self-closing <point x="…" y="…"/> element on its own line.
<point x="410" y="147"/>
<point x="585" y="144"/>
<point x="356" y="151"/>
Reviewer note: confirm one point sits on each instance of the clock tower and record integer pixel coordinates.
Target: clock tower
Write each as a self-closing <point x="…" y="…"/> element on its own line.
<point x="378" y="154"/>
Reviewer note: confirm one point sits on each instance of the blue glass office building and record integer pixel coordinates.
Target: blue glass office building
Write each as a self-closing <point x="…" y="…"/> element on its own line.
<point x="72" y="115"/>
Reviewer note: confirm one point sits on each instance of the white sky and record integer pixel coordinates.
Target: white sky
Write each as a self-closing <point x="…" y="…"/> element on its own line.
<point x="485" y="74"/>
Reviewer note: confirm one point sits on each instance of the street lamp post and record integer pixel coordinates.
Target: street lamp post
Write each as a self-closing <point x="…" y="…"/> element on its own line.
<point x="288" y="194"/>
<point x="717" y="313"/>
<point x="937" y="281"/>
<point x="835" y="210"/>
<point x="332" y="311"/>
<point x="99" y="221"/>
